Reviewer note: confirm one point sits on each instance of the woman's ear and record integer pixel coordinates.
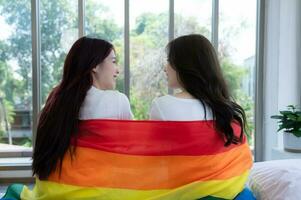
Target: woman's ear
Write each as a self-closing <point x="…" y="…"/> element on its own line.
<point x="94" y="69"/>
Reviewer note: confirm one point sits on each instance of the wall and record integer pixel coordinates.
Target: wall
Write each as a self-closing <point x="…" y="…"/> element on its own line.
<point x="281" y="65"/>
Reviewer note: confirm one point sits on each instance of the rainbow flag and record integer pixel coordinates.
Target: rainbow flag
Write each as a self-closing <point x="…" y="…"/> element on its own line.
<point x="151" y="160"/>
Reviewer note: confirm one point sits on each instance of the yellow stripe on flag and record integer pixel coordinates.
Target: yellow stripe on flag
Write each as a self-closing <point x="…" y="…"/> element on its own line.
<point x="46" y="190"/>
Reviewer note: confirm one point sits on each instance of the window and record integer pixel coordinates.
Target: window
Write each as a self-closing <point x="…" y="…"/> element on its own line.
<point x="16" y="74"/>
<point x="237" y="45"/>
<point x="59" y="30"/>
<point x="148" y="37"/>
<point x="193" y="16"/>
<point x="143" y="46"/>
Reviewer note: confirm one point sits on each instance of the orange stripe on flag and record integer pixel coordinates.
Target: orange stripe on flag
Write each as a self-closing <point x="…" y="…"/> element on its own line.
<point x="104" y="169"/>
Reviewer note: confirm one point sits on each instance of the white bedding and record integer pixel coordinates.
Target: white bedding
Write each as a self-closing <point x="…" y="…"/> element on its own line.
<point x="276" y="180"/>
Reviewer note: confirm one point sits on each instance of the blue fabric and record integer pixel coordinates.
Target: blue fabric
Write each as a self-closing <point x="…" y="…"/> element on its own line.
<point x="246" y="194"/>
<point x="5" y="198"/>
<point x="13" y="192"/>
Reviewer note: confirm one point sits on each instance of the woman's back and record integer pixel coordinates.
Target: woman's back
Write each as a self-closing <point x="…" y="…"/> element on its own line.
<point x="105" y="104"/>
<point x="174" y="108"/>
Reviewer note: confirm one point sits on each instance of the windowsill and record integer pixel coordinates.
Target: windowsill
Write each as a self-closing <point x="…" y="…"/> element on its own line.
<point x="16" y="170"/>
<point x="7" y="151"/>
<point x="15" y="164"/>
<point x="279" y="154"/>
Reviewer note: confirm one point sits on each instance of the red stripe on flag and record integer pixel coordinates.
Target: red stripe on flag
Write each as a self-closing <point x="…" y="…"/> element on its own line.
<point x="154" y="138"/>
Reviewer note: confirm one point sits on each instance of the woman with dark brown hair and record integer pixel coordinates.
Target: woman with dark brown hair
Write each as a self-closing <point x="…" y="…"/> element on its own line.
<point x="193" y="67"/>
<point x="85" y="92"/>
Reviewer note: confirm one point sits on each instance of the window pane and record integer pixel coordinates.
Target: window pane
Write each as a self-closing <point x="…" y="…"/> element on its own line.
<point x="59" y="30"/>
<point x="148" y="38"/>
<point x="237" y="45"/>
<point x="16" y="74"/>
<point x="193" y="16"/>
<point x="104" y="20"/>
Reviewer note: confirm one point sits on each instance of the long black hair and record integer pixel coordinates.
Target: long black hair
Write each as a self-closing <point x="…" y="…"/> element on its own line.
<point x="194" y="59"/>
<point x="58" y="122"/>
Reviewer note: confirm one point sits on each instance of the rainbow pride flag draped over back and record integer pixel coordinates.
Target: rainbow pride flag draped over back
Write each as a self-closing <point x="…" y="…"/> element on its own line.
<point x="153" y="160"/>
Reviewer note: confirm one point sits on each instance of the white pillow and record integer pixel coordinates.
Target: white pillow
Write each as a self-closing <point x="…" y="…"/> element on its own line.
<point x="276" y="180"/>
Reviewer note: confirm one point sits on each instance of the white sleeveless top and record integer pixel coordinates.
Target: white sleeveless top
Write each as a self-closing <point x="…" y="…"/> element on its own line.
<point x="171" y="108"/>
<point x="105" y="104"/>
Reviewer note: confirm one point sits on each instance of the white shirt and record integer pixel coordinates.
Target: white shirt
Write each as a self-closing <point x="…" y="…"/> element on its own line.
<point x="105" y="104"/>
<point x="178" y="109"/>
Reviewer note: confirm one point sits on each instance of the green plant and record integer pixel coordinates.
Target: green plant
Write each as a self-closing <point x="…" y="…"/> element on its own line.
<point x="290" y="120"/>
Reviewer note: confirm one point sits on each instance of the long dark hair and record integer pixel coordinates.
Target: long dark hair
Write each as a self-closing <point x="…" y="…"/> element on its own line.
<point x="58" y="122"/>
<point x="199" y="72"/>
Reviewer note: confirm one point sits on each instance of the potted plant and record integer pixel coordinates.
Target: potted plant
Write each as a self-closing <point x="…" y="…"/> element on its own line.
<point x="290" y="121"/>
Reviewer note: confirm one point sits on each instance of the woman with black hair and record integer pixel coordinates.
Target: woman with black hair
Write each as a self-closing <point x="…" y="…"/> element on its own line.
<point x="85" y="92"/>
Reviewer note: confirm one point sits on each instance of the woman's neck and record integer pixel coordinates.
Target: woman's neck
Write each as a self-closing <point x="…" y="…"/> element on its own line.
<point x="184" y="94"/>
